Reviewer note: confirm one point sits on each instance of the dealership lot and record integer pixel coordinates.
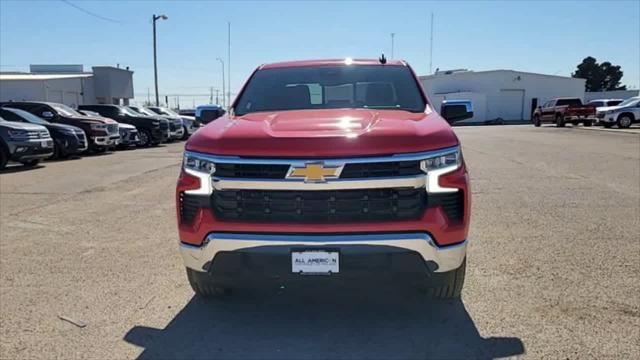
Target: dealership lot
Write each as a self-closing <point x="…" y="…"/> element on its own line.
<point x="553" y="268"/>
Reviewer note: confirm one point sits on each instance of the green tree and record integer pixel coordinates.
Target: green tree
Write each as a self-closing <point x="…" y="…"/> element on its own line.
<point x="600" y="77"/>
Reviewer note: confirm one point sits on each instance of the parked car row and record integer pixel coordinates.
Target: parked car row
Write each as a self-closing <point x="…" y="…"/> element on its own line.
<point x="31" y="131"/>
<point x="606" y="112"/>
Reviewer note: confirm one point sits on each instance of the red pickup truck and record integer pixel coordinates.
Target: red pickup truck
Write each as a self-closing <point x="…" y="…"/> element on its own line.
<point x="329" y="167"/>
<point x="563" y="110"/>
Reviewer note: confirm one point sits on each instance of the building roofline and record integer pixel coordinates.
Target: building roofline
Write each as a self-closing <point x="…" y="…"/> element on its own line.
<point x="421" y="77"/>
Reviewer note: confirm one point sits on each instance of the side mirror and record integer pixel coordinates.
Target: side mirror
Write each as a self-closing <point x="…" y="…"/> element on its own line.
<point x="456" y="110"/>
<point x="48" y="115"/>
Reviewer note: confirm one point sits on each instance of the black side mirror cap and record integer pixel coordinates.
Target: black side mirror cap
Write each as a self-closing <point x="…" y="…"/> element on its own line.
<point x="456" y="110"/>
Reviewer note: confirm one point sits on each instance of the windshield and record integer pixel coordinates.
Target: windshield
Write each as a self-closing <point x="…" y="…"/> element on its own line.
<point x="130" y="111"/>
<point x="146" y="111"/>
<point x="331" y="87"/>
<point x="165" y="111"/>
<point x="65" y="110"/>
<point x="28" y="116"/>
<point x="629" y="102"/>
<point x="570" y="102"/>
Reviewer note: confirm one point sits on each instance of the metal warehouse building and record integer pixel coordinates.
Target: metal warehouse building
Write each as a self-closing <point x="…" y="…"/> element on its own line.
<point x="500" y="94"/>
<point x="69" y="84"/>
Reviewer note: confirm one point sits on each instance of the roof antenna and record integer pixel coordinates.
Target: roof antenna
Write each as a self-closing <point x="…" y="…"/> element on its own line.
<point x="382" y="59"/>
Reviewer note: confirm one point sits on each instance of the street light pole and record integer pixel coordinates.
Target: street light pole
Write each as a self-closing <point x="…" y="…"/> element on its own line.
<point x="223" y="98"/>
<point x="155" y="59"/>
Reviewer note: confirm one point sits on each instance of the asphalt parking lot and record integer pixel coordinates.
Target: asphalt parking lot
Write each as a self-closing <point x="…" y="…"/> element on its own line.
<point x="553" y="268"/>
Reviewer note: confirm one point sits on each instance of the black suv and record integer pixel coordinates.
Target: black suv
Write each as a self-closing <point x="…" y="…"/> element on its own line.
<point x="103" y="133"/>
<point x="152" y="131"/>
<point x="67" y="139"/>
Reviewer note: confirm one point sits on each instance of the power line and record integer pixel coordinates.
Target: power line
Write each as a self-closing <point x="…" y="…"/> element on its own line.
<point x="90" y="12"/>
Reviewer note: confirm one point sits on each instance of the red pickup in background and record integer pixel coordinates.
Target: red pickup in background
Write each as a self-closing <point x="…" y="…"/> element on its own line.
<point x="563" y="110"/>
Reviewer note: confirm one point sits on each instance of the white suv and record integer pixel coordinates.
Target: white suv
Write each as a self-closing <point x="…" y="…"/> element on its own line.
<point x="622" y="115"/>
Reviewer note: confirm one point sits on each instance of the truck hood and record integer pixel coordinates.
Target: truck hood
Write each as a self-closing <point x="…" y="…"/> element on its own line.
<point x="324" y="133"/>
<point x="21" y="126"/>
<point x="607" y="108"/>
<point x="92" y="119"/>
<point x="56" y="126"/>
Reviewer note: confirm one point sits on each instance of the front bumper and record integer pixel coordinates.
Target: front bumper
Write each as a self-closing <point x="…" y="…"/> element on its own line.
<point x="31" y="149"/>
<point x="109" y="140"/>
<point x="177" y="134"/>
<point x="436" y="258"/>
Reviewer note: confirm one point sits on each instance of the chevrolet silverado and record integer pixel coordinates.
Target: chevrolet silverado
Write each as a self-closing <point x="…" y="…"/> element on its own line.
<point x="333" y="167"/>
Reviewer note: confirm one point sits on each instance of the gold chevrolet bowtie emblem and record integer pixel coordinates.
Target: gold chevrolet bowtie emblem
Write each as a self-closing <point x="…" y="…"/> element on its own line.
<point x="314" y="172"/>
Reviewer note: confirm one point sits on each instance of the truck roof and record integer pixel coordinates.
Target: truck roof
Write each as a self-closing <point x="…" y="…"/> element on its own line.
<point x="330" y="62"/>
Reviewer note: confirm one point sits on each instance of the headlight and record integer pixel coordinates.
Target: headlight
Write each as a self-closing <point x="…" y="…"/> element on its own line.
<point x="434" y="167"/>
<point x="610" y="111"/>
<point x="449" y="160"/>
<point x="197" y="164"/>
<point x="18" y="134"/>
<point x="155" y="123"/>
<point x="68" y="131"/>
<point x="98" y="127"/>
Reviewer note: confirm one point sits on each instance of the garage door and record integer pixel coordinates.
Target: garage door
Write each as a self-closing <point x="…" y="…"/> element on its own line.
<point x="511" y="104"/>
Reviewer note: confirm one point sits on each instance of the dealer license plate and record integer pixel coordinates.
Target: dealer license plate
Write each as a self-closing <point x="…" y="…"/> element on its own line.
<point x="315" y="262"/>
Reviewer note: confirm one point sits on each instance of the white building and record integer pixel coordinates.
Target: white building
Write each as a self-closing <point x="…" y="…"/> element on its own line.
<point x="68" y="84"/>
<point x="505" y="94"/>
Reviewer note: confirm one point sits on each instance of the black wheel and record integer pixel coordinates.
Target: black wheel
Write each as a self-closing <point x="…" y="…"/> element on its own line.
<point x="536" y="120"/>
<point x="587" y="123"/>
<point x="185" y="136"/>
<point x="607" y="125"/>
<point x="30" y="163"/>
<point x="145" y="138"/>
<point x="560" y="120"/>
<point x="56" y="152"/>
<point x="204" y="286"/>
<point x="100" y="150"/>
<point x="624" y="121"/>
<point x="4" y="157"/>
<point x="447" y="285"/>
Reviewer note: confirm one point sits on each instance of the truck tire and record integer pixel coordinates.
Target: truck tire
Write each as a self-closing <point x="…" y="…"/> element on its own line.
<point x="4" y="157"/>
<point x="607" y="125"/>
<point x="204" y="286"/>
<point x="185" y="136"/>
<point x="624" y="121"/>
<point x="560" y="120"/>
<point x="447" y="285"/>
<point x="587" y="123"/>
<point x="536" y="120"/>
<point x="145" y="138"/>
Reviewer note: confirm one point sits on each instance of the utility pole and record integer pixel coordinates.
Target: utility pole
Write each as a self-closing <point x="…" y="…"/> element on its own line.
<point x="155" y="59"/>
<point x="217" y="99"/>
<point x="148" y="97"/>
<point x="392" y="45"/>
<point x="223" y="86"/>
<point x="431" y="48"/>
<point x="211" y="95"/>
<point x="228" y="65"/>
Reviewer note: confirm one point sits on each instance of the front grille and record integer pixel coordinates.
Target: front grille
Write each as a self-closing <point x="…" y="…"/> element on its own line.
<point x="112" y="128"/>
<point x="43" y="134"/>
<point x="189" y="205"/>
<point x="172" y="127"/>
<point x="335" y="206"/>
<point x="452" y="204"/>
<point x="251" y="171"/>
<point x="350" y="171"/>
<point x="164" y="125"/>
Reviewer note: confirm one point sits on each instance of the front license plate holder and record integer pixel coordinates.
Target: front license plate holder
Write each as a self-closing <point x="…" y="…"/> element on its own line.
<point x="315" y="261"/>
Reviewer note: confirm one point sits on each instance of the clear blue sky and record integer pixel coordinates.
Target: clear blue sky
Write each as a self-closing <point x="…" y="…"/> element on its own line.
<point x="544" y="36"/>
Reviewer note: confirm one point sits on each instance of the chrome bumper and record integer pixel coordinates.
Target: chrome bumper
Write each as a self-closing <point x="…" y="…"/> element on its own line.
<point x="106" y="140"/>
<point x="447" y="258"/>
